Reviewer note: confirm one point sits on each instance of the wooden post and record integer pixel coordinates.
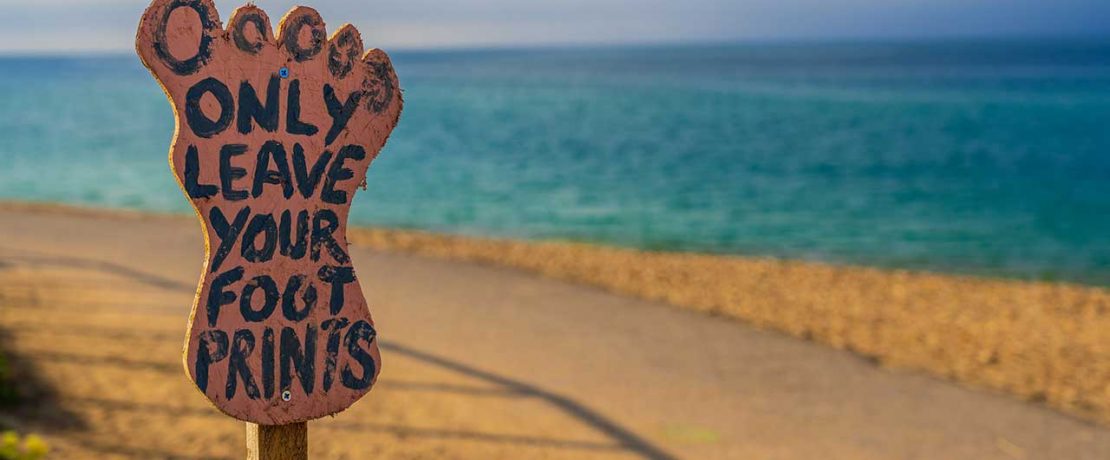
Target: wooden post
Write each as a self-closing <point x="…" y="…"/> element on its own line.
<point x="277" y="442"/>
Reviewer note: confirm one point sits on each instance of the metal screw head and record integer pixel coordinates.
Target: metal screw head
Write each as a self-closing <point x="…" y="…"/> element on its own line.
<point x="284" y="72"/>
<point x="286" y="395"/>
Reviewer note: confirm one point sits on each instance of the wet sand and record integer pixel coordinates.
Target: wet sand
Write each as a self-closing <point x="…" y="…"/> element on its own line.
<point x="484" y="361"/>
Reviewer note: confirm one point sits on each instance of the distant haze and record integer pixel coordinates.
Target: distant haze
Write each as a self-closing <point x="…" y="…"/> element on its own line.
<point x="108" y="25"/>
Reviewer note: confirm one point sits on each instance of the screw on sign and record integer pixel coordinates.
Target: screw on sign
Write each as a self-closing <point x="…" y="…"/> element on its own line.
<point x="275" y="131"/>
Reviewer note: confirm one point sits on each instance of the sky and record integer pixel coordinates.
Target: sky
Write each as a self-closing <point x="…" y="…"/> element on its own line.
<point x="59" y="26"/>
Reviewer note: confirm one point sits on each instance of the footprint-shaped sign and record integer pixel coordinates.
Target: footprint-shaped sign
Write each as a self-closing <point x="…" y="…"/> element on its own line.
<point x="274" y="134"/>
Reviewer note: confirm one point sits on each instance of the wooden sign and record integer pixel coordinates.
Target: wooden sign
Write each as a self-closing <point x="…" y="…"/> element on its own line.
<point x="274" y="134"/>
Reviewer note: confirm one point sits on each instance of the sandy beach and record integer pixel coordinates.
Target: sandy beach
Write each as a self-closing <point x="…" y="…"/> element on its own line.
<point x="675" y="356"/>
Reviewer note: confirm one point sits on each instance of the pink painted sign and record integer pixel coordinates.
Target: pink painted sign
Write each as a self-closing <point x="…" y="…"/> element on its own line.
<point x="275" y="133"/>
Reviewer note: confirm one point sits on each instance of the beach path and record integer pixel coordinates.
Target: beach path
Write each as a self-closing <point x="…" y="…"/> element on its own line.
<point x="478" y="362"/>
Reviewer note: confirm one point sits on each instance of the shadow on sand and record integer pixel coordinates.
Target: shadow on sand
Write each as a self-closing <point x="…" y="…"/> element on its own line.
<point x="32" y="403"/>
<point x="49" y="412"/>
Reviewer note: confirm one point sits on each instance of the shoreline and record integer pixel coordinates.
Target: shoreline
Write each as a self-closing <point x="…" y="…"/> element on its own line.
<point x="1040" y="341"/>
<point x="984" y="274"/>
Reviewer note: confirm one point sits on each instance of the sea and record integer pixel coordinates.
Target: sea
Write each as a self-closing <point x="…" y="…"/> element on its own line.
<point x="973" y="157"/>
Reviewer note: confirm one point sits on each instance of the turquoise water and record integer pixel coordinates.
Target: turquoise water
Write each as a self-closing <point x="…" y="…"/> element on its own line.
<point x="987" y="158"/>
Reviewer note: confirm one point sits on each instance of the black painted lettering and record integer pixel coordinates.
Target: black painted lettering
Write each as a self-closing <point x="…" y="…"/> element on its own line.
<point x="340" y="112"/>
<point x="268" y="362"/>
<point x="324" y="225"/>
<point x="211" y="348"/>
<point x="294" y="242"/>
<point x="293" y="123"/>
<point x="199" y="122"/>
<point x="260" y="224"/>
<point x="337" y="277"/>
<point x="228" y="233"/>
<point x="192" y="176"/>
<point x="338" y="172"/>
<point x="334" y="326"/>
<point x="242" y="345"/>
<point x="359" y="333"/>
<point x="272" y="150"/>
<point x="218" y="297"/>
<point x="229" y="174"/>
<point x="307" y="180"/>
<point x="296" y="359"/>
<point x="289" y="298"/>
<point x="270" y="299"/>
<point x="266" y="115"/>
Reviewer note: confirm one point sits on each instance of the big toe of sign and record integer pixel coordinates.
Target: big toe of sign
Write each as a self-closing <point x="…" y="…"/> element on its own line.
<point x="274" y="135"/>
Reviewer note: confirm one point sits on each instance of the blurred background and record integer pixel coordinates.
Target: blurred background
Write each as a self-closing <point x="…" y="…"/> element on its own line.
<point x="960" y="147"/>
<point x="954" y="136"/>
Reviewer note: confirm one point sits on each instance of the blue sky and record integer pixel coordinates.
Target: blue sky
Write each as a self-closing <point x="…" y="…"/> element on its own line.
<point x="108" y="25"/>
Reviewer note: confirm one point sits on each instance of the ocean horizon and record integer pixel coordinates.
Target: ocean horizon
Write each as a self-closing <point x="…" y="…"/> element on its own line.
<point x="983" y="157"/>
